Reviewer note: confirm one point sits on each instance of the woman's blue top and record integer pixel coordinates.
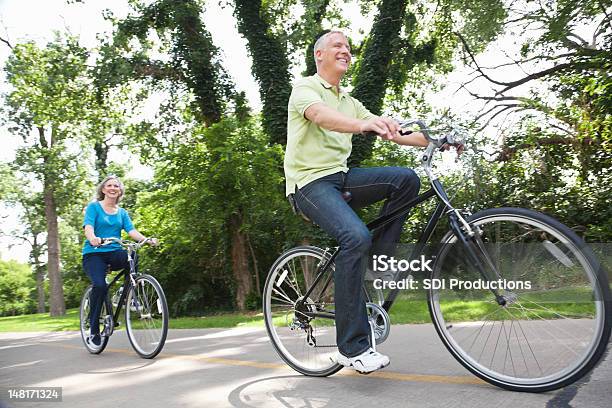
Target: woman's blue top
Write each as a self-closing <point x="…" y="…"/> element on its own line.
<point x="105" y="226"/>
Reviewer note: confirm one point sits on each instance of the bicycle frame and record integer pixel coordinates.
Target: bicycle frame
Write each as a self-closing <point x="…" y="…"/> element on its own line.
<point x="378" y="223"/>
<point x="127" y="283"/>
<point x="442" y="206"/>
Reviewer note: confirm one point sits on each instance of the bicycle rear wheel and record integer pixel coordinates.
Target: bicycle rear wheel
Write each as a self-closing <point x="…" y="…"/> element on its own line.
<point x="549" y="333"/>
<point x="106" y="318"/>
<point x="146" y="316"/>
<point x="306" y="343"/>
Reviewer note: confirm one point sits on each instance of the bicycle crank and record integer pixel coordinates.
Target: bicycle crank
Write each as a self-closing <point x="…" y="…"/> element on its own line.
<point x="380" y="322"/>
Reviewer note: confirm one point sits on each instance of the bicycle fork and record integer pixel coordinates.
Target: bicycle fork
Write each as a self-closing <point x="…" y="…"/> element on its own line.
<point x="475" y="240"/>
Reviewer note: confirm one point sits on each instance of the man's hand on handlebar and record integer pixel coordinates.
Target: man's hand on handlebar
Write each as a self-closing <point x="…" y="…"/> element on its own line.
<point x="460" y="147"/>
<point x="386" y="128"/>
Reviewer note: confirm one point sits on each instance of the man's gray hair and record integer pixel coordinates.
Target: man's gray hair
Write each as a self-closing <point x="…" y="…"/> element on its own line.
<point x="100" y="194"/>
<point x="322" y="41"/>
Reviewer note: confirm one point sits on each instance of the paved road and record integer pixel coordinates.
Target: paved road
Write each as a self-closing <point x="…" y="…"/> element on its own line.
<point x="239" y="368"/>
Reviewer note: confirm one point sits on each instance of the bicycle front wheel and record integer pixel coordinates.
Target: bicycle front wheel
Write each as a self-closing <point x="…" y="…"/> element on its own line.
<point x="146" y="316"/>
<point x="302" y="330"/>
<point x="85" y="324"/>
<point x="553" y="323"/>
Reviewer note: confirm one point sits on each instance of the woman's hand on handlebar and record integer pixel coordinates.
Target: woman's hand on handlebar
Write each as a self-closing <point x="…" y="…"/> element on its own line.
<point x="95" y="241"/>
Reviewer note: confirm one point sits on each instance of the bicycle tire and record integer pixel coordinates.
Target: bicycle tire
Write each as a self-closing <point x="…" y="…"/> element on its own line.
<point x="84" y="325"/>
<point x="561" y="258"/>
<point x="287" y="332"/>
<point x="146" y="316"/>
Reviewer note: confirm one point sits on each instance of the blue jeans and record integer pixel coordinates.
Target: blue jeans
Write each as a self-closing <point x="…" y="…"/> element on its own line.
<point x="95" y="266"/>
<point x="321" y="201"/>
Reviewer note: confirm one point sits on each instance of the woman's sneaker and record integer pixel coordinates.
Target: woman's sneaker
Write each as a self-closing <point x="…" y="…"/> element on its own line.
<point x="365" y="362"/>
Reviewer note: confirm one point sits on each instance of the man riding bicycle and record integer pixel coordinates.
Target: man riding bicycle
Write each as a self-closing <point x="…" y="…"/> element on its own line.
<point x="321" y="121"/>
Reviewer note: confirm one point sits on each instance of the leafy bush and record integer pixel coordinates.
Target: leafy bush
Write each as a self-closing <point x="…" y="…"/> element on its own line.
<point x="17" y="288"/>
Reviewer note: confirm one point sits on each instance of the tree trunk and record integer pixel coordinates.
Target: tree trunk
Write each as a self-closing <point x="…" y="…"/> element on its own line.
<point x="240" y="261"/>
<point x="57" y="305"/>
<point x="41" y="307"/>
<point x="40" y="276"/>
<point x="101" y="149"/>
<point x="316" y="29"/>
<point x="255" y="266"/>
<point x="204" y="75"/>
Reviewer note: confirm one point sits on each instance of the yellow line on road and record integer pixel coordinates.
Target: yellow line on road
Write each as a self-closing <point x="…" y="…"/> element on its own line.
<point x="386" y="375"/>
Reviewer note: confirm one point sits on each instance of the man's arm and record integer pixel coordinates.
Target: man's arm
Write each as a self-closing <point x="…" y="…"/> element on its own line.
<point x="413" y="139"/>
<point x="330" y="119"/>
<point x="418" y="139"/>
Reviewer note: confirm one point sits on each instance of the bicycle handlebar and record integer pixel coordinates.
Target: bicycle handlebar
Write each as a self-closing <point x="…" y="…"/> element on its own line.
<point x="125" y="243"/>
<point x="454" y="137"/>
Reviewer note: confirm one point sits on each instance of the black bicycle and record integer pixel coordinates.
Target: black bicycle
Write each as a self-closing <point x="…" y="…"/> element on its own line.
<point x="536" y="338"/>
<point x="146" y="308"/>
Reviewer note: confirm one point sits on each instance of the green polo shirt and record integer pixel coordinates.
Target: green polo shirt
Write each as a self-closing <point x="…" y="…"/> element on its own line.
<point x="313" y="152"/>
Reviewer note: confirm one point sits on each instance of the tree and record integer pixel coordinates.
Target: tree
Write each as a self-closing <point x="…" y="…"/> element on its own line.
<point x="46" y="106"/>
<point x="18" y="193"/>
<point x="559" y="104"/>
<point x="197" y="67"/>
<point x="406" y="34"/>
<point x="219" y="202"/>
<point x="270" y="65"/>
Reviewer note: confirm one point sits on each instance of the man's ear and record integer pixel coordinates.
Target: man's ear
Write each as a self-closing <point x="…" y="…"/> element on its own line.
<point x="318" y="54"/>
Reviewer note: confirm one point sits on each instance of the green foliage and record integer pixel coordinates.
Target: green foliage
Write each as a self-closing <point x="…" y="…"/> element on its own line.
<point x="406" y="35"/>
<point x="373" y="68"/>
<point x="222" y="170"/>
<point x="195" y="59"/>
<point x="49" y="93"/>
<point x="558" y="159"/>
<point x="16" y="289"/>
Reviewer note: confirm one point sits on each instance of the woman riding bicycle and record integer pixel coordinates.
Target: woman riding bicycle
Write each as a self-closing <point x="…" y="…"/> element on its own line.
<point x="104" y="219"/>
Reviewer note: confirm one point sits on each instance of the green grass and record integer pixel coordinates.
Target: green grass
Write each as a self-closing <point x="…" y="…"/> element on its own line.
<point x="409" y="308"/>
<point x="42" y="321"/>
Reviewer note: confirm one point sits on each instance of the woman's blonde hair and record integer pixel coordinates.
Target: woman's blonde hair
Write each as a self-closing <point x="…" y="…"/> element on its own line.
<point x="100" y="194"/>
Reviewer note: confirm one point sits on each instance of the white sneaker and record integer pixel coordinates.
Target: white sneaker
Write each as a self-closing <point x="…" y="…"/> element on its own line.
<point x="365" y="362"/>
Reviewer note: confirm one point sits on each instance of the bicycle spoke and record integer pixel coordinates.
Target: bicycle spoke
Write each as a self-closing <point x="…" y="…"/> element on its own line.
<point x="291" y="335"/>
<point x="538" y="341"/>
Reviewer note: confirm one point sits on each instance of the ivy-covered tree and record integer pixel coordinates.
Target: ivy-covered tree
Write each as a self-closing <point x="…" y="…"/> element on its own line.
<point x="197" y="68"/>
<point x="270" y="65"/>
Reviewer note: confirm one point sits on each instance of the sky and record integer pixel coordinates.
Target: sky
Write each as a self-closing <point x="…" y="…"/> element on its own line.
<point x="22" y="20"/>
